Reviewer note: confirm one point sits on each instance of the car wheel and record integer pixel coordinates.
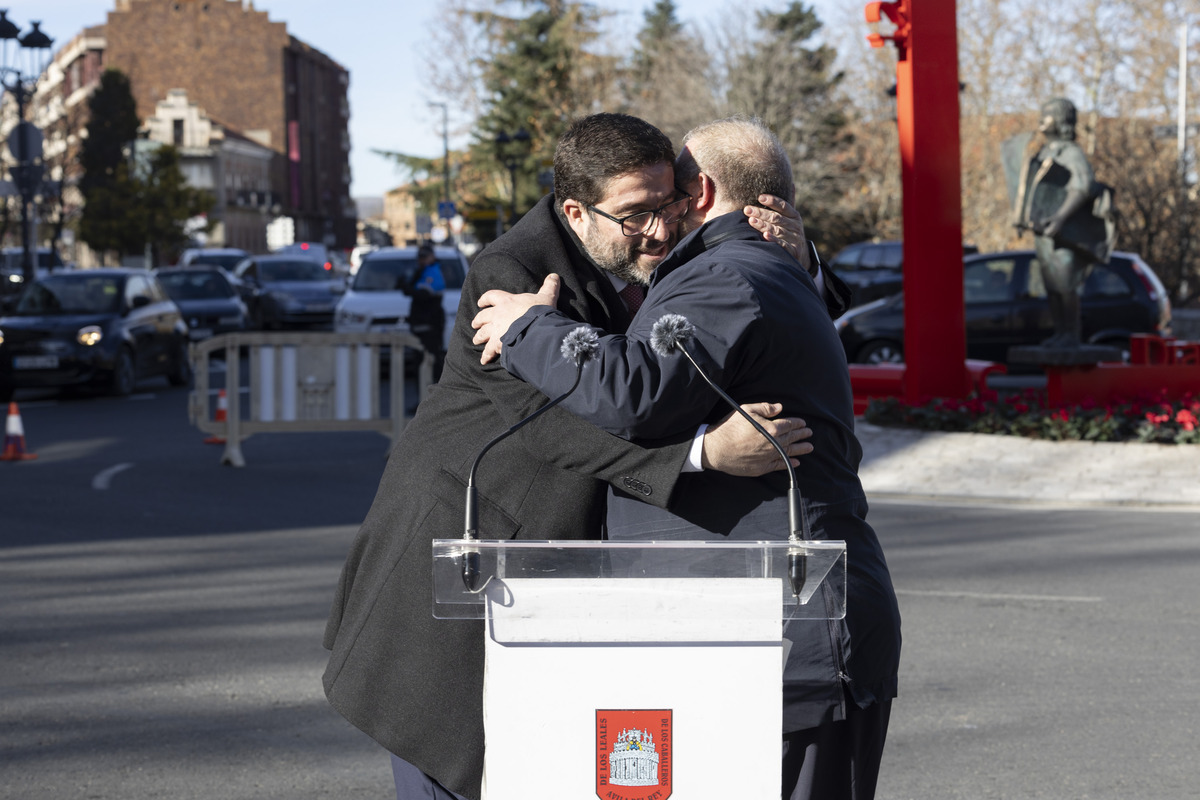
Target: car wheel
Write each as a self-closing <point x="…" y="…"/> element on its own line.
<point x="881" y="352"/>
<point x="124" y="376"/>
<point x="181" y="368"/>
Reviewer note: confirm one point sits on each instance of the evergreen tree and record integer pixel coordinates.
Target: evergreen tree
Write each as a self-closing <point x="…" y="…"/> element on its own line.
<point x="109" y="215"/>
<point x="167" y="203"/>
<point x="660" y="29"/>
<point x="791" y="85"/>
<point x="127" y="208"/>
<point x="539" y="77"/>
<point x="669" y="80"/>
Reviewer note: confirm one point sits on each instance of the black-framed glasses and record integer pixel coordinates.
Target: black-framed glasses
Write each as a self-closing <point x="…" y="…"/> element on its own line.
<point x="643" y="221"/>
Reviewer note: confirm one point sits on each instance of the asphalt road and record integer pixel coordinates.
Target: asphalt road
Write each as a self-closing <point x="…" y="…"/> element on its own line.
<point x="160" y="626"/>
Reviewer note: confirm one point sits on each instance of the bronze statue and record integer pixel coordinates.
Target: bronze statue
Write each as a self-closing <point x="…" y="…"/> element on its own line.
<point x="1056" y="196"/>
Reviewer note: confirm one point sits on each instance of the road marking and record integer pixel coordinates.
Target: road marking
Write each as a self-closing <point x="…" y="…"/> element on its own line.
<point x="103" y="479"/>
<point x="1043" y="598"/>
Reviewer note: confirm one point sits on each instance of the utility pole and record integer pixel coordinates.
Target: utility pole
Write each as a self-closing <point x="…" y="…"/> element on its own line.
<point x="446" y="168"/>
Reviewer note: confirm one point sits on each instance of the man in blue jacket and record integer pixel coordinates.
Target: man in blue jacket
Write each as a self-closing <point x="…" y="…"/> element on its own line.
<point x="761" y="331"/>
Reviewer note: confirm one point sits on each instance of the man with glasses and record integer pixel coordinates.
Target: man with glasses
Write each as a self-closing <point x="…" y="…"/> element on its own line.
<point x="410" y="681"/>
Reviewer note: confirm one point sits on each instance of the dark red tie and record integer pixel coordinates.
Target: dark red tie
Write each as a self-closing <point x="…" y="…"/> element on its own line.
<point x="633" y="296"/>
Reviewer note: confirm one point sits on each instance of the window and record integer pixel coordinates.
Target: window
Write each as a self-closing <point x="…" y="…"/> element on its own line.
<point x="988" y="281"/>
<point x="1103" y="282"/>
<point x="177" y="132"/>
<point x="136" y="287"/>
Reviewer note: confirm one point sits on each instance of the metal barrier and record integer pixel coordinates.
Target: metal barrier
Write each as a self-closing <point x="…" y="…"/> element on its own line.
<point x="304" y="383"/>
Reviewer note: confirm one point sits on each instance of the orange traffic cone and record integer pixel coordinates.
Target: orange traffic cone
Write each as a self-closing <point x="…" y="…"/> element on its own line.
<point x="222" y="410"/>
<point x="14" y="437"/>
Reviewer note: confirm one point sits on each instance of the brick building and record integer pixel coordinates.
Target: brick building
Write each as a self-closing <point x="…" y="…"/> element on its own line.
<point x="239" y="69"/>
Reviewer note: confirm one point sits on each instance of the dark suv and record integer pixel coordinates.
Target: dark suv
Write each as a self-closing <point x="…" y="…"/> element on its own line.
<point x="1006" y="306"/>
<point x="874" y="269"/>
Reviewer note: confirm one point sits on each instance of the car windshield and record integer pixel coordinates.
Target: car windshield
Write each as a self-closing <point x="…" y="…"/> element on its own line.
<point x="385" y="274"/>
<point x="298" y="270"/>
<point x="198" y="285"/>
<point x="224" y="260"/>
<point x="71" y="294"/>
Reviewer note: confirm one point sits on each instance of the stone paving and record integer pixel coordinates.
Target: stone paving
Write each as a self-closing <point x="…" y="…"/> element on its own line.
<point x="901" y="461"/>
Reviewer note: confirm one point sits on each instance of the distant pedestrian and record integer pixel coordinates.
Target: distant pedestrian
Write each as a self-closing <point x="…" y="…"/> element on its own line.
<point x="426" y="316"/>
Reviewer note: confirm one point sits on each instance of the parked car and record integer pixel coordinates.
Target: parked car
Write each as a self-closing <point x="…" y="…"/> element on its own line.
<point x="225" y="257"/>
<point x="376" y="299"/>
<point x="288" y="291"/>
<point x="97" y="327"/>
<point x="12" y="270"/>
<point x="327" y="257"/>
<point x="874" y="269"/>
<point x="1006" y="306"/>
<point x="207" y="298"/>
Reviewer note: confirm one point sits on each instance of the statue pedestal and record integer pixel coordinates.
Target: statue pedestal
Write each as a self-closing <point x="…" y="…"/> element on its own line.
<point x="1079" y="356"/>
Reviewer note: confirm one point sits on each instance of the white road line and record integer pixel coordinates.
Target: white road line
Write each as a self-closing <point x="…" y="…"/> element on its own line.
<point x="1041" y="598"/>
<point x="103" y="479"/>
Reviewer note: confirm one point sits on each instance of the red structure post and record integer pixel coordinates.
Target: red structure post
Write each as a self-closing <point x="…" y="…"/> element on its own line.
<point x="927" y="117"/>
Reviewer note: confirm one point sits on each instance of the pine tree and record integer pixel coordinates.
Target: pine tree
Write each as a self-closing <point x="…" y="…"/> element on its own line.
<point x="109" y="215"/>
<point x="167" y="204"/>
<point x="790" y="83"/>
<point x="539" y="78"/>
<point x="669" y="80"/>
<point x="125" y="208"/>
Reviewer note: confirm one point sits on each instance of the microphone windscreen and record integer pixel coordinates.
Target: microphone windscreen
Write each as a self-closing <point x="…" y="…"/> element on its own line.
<point x="580" y="345"/>
<point x="671" y="331"/>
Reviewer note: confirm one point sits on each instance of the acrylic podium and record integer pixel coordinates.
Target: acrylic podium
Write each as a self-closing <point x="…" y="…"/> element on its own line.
<point x="635" y="670"/>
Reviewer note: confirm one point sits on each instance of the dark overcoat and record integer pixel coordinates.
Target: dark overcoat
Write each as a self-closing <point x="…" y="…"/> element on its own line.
<point x="762" y="333"/>
<point x="412" y="682"/>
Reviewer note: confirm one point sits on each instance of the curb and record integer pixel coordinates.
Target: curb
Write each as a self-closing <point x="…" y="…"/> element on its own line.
<point x="912" y="463"/>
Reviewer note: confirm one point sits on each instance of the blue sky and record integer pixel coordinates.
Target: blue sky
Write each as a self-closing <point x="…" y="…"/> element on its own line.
<point x="379" y="42"/>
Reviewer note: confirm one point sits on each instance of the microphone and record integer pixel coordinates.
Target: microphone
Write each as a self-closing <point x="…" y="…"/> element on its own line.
<point x="579" y="346"/>
<point x="670" y="335"/>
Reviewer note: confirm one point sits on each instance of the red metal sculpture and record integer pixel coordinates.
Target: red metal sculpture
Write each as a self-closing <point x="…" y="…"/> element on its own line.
<point x="927" y="118"/>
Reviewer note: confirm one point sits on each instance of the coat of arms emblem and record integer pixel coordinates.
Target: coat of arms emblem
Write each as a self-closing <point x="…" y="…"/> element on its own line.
<point x="633" y="754"/>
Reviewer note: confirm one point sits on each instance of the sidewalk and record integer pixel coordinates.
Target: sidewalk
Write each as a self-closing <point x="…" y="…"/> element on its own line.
<point x="902" y="461"/>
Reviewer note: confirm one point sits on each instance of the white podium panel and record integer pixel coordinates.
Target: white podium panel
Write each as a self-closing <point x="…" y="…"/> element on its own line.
<point x="629" y="689"/>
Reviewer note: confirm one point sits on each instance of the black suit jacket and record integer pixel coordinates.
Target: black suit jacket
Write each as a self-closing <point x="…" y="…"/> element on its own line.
<point x="414" y="683"/>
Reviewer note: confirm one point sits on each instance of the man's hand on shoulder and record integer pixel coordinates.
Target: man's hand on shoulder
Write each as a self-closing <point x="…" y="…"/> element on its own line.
<point x="735" y="447"/>
<point x="501" y="309"/>
<point x="778" y="222"/>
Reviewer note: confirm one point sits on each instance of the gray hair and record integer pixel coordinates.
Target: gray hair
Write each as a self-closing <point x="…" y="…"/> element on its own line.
<point x="743" y="157"/>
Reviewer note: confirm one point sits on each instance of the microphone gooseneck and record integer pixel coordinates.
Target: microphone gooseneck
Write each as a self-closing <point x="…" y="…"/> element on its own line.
<point x="579" y="346"/>
<point x="670" y="335"/>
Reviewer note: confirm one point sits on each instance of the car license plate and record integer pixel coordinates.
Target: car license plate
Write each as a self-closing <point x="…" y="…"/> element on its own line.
<point x="35" y="362"/>
<point x="319" y="307"/>
<point x="200" y="333"/>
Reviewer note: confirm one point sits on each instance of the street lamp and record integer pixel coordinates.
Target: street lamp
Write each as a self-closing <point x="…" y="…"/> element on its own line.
<point x="511" y="151"/>
<point x="19" y="76"/>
